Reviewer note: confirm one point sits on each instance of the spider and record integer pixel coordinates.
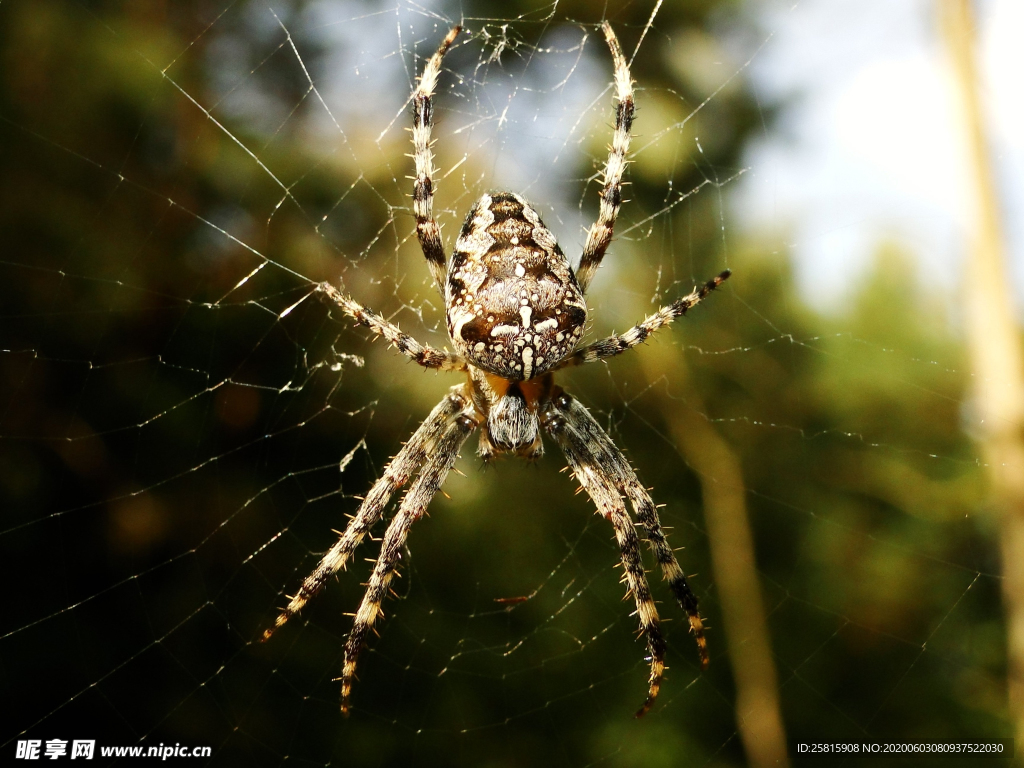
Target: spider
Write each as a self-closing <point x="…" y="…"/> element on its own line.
<point x="515" y="313"/>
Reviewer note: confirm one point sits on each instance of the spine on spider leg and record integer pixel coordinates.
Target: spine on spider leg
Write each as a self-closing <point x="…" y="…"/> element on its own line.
<point x="675" y="310"/>
<point x="681" y="306"/>
<point x="412" y="508"/>
<point x="427" y="230"/>
<point x="371" y="607"/>
<point x="600" y="235"/>
<point x="647" y="612"/>
<point x="673" y="574"/>
<point x="625" y="477"/>
<point x="647" y="515"/>
<point x="563" y="421"/>
<point x="611" y="507"/>
<point x="639" y="333"/>
<point x="338" y="556"/>
<point x="428" y="357"/>
<point x="406" y="463"/>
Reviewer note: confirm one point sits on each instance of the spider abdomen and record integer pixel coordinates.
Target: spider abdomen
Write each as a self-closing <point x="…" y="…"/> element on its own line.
<point x="514" y="306"/>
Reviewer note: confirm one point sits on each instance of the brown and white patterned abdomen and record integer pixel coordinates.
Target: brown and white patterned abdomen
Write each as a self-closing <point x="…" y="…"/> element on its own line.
<point x="514" y="305"/>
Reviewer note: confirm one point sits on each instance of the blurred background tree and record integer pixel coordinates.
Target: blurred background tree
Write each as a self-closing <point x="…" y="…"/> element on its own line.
<point x="172" y="447"/>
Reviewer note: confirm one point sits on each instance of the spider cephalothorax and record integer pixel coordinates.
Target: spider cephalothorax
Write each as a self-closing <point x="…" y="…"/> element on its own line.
<point x="515" y="314"/>
<point x="515" y="310"/>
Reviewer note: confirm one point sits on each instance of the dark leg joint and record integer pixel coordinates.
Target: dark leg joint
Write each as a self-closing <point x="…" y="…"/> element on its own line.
<point x="624" y="116"/>
<point x="422" y="189"/>
<point x="421" y="110"/>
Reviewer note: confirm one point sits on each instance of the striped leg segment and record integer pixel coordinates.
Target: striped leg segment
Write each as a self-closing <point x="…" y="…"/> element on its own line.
<point x="427" y="231"/>
<point x="588" y="465"/>
<point x="428" y="357"/>
<point x="611" y="460"/>
<point x="407" y="463"/>
<point x="600" y="235"/>
<point x="647" y="514"/>
<point x="413" y="506"/>
<point x="611" y="346"/>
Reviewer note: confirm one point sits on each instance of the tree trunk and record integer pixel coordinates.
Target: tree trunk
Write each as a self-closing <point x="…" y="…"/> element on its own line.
<point x="758" y="712"/>
<point x="994" y="342"/>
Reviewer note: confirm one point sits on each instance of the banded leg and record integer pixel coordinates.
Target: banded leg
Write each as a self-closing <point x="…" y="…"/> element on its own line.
<point x="600" y="234"/>
<point x="673" y="574"/>
<point x="412" y="508"/>
<point x="586" y="464"/>
<point x="428" y="357"/>
<point x="611" y="458"/>
<point x="616" y="345"/>
<point x="427" y="231"/>
<point x="406" y="463"/>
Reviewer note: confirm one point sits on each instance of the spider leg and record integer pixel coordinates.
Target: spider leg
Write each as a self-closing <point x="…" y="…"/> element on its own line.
<point x="619" y="343"/>
<point x="413" y="506"/>
<point x="406" y="463"/>
<point x="611" y="459"/>
<point x="428" y="357"/>
<point x="600" y="234"/>
<point x="589" y="463"/>
<point x="427" y="231"/>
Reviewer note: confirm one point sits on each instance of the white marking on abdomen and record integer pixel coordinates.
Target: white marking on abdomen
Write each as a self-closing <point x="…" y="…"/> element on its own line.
<point x="460" y="320"/>
<point x="527" y="362"/>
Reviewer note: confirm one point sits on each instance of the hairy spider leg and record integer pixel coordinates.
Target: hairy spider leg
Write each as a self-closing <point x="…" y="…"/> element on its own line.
<point x="444" y="452"/>
<point x="611" y="346"/>
<point x="600" y="235"/>
<point x="561" y="422"/>
<point x="647" y="514"/>
<point x="615" y="463"/>
<point x="407" y="463"/>
<point x="428" y="357"/>
<point x="427" y="230"/>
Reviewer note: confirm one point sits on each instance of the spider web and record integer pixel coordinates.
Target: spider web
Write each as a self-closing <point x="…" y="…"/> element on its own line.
<point x="182" y="430"/>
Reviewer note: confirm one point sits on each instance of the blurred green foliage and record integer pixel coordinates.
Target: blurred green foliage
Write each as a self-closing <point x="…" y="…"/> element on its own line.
<point x="162" y="425"/>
